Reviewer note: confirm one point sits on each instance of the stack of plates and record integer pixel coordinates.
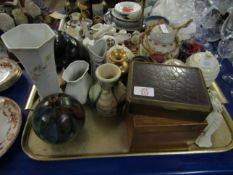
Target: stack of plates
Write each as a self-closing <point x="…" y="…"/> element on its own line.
<point x="208" y="64"/>
<point x="126" y="15"/>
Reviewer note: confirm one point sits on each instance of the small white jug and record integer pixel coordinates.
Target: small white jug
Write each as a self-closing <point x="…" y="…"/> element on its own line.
<point x="78" y="80"/>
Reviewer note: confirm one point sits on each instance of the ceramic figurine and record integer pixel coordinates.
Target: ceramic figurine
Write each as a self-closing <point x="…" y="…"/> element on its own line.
<point x="33" y="45"/>
<point x="135" y="37"/>
<point x="121" y="37"/>
<point x="108" y="93"/>
<point x="78" y="80"/>
<point x="104" y="30"/>
<point x="214" y="121"/>
<point x="74" y="19"/>
<point x="88" y="42"/>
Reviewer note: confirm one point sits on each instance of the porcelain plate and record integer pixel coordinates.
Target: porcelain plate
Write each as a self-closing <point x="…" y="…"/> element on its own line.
<point x="10" y="123"/>
<point x="9" y="73"/>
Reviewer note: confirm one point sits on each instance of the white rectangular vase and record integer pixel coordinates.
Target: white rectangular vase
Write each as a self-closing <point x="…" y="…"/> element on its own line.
<point x="33" y="45"/>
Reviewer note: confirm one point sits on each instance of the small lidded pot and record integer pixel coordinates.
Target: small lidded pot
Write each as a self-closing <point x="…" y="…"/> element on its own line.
<point x="208" y="64"/>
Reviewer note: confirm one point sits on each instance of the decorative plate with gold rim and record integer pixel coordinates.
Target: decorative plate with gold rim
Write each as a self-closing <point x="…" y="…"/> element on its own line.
<point x="10" y="123"/>
<point x="9" y="73"/>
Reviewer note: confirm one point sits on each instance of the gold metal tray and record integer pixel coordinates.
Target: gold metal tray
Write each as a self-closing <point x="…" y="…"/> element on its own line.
<point x="107" y="137"/>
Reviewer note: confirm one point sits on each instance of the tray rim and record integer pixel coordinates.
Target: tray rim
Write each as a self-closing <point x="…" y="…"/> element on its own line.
<point x="30" y="154"/>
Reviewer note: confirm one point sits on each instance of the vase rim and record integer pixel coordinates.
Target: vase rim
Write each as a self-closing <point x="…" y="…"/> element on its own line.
<point x="108" y="80"/>
<point x="5" y="36"/>
<point x="72" y="64"/>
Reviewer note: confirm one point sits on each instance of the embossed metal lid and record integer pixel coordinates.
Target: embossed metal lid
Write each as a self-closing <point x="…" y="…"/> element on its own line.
<point x="167" y="86"/>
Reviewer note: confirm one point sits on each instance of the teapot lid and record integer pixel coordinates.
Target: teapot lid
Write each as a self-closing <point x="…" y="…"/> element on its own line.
<point x="162" y="34"/>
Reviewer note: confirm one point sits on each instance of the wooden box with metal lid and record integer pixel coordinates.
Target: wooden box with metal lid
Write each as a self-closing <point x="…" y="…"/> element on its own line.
<point x="166" y="106"/>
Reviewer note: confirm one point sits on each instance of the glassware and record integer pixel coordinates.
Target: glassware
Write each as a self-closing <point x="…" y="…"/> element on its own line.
<point x="228" y="78"/>
<point x="223" y="5"/>
<point x="212" y="23"/>
<point x="225" y="48"/>
<point x="225" y="51"/>
<point x="201" y="6"/>
<point x="227" y="27"/>
<point x="201" y="9"/>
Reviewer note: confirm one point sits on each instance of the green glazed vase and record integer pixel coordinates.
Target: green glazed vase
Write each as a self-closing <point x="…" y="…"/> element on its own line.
<point x="108" y="93"/>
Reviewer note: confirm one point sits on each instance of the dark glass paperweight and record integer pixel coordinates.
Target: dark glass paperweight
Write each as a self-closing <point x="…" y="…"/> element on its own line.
<point x="57" y="118"/>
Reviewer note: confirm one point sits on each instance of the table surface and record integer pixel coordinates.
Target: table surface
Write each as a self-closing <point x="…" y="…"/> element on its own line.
<point x="15" y="162"/>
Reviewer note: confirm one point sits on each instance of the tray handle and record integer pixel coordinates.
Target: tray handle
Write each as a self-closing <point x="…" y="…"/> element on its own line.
<point x="31" y="99"/>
